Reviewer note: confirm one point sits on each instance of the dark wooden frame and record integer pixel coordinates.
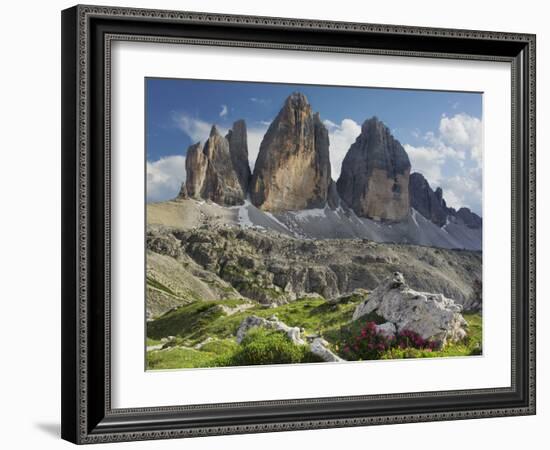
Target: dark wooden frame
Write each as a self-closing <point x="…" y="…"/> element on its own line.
<point x="87" y="32"/>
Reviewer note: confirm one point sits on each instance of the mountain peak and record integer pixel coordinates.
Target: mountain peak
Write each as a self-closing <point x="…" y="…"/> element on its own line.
<point x="214" y="131"/>
<point x="374" y="181"/>
<point x="214" y="171"/>
<point x="297" y="100"/>
<point x="292" y="170"/>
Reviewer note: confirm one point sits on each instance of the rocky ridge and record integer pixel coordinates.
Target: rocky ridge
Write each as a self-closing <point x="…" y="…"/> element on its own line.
<point x="275" y="269"/>
<point x="433" y="207"/>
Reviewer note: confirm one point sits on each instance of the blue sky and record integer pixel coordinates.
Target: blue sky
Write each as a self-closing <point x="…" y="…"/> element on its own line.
<point x="441" y="131"/>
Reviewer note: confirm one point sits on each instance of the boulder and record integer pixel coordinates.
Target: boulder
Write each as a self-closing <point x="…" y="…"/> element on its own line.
<point x="272" y="323"/>
<point x="432" y="316"/>
<point x="292" y="171"/>
<point x="374" y="180"/>
<point x="387" y="329"/>
<point x="319" y="347"/>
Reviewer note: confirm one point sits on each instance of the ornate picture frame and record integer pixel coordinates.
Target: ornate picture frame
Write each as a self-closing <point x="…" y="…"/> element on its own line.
<point x="88" y="33"/>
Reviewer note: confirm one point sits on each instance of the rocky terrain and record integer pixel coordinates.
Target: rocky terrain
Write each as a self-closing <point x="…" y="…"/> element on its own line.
<point x="272" y="268"/>
<point x="239" y="247"/>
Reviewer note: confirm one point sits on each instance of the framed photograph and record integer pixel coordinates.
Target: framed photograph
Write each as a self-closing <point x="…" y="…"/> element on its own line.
<point x="279" y="224"/>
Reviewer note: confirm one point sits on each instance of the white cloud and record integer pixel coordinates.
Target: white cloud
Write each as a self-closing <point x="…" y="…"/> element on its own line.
<point x="464" y="133"/>
<point x="198" y="130"/>
<point x="451" y="159"/>
<point x="261" y="101"/>
<point x="224" y="111"/>
<point x="164" y="178"/>
<point x="341" y="137"/>
<point x="464" y="189"/>
<point x="428" y="161"/>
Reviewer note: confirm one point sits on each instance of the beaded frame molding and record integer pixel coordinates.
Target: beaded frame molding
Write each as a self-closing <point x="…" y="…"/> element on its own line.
<point x="87" y="35"/>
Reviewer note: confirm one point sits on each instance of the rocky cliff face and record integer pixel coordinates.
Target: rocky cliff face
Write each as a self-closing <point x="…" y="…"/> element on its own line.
<point x="238" y="149"/>
<point x="195" y="167"/>
<point x="433" y="207"/>
<point x="292" y="171"/>
<point x="374" y="180"/>
<point x="427" y="202"/>
<point x="211" y="172"/>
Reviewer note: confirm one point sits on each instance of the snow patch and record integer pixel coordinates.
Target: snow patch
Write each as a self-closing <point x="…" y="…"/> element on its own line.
<point x="413" y="216"/>
<point x="310" y="213"/>
<point x="242" y="214"/>
<point x="272" y="217"/>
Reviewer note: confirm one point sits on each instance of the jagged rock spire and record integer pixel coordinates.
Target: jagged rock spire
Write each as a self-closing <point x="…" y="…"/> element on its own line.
<point x="238" y="149"/>
<point x="212" y="170"/>
<point x="292" y="170"/>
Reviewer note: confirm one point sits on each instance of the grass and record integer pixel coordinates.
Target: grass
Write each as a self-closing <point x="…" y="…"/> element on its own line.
<point x="193" y="323"/>
<point x="161" y="287"/>
<point x="198" y="320"/>
<point x="153" y="342"/>
<point x="179" y="357"/>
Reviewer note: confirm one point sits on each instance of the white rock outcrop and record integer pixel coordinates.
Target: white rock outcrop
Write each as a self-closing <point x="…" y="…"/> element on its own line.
<point x="272" y="323"/>
<point x="319" y="347"/>
<point x="432" y="316"/>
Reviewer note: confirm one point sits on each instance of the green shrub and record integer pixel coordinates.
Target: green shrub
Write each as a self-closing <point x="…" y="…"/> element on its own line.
<point x="261" y="346"/>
